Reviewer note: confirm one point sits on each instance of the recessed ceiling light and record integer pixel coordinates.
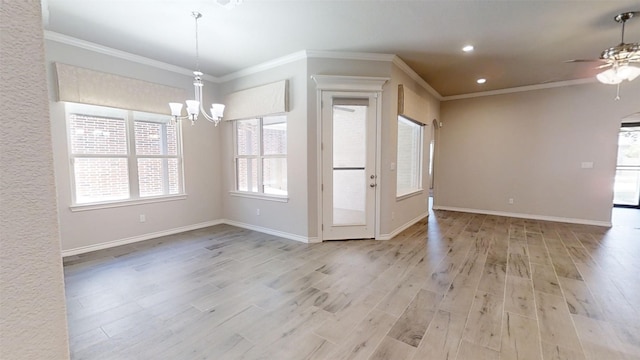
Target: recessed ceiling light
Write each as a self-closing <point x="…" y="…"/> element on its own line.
<point x="467" y="48"/>
<point x="481" y="81"/>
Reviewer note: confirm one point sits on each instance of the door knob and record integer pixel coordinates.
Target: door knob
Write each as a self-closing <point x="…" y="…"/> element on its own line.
<point x="372" y="185"/>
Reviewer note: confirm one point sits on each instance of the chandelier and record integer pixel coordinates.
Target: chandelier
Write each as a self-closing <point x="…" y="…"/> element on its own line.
<point x="195" y="107"/>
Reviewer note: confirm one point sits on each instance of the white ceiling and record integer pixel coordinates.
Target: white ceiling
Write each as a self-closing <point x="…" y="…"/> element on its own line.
<point x="517" y="43"/>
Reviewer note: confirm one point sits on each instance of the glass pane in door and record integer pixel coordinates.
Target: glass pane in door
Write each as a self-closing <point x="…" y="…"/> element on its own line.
<point x="627" y="181"/>
<point x="349" y="160"/>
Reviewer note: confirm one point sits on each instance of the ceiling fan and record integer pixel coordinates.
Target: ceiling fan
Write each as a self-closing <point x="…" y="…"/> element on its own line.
<point x="619" y="59"/>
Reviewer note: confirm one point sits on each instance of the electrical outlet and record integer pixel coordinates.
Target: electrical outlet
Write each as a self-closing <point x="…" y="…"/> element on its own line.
<point x="143" y="218"/>
<point x="258" y="212"/>
<point x="510" y="201"/>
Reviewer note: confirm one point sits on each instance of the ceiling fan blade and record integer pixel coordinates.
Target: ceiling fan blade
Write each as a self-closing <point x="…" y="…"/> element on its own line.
<point x="604" y="66"/>
<point x="583" y="60"/>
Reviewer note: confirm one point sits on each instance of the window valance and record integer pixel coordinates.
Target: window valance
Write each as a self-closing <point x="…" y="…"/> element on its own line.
<point x="412" y="106"/>
<point x="259" y="101"/>
<point x="84" y="86"/>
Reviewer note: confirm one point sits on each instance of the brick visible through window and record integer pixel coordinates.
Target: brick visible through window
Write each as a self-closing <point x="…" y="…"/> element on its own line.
<point x="261" y="155"/>
<point x="119" y="155"/>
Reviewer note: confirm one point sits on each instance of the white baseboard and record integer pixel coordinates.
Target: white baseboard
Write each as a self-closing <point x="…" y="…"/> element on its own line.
<point x="143" y="237"/>
<point x="133" y="239"/>
<point x="265" y="230"/>
<point x="402" y="228"/>
<point x="526" y="216"/>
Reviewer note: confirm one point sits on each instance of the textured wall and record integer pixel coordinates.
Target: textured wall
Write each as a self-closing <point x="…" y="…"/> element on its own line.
<point x="32" y="307"/>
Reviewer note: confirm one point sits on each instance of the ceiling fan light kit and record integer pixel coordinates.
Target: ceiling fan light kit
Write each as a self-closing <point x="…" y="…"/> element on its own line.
<point x="615" y="76"/>
<point x="620" y="58"/>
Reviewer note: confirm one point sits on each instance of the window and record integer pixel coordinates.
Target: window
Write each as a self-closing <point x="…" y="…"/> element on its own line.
<point x="409" y="168"/>
<point x="261" y="155"/>
<point x="119" y="155"/>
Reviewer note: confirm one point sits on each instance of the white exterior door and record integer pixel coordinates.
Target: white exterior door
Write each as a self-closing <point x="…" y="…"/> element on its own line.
<point x="349" y="182"/>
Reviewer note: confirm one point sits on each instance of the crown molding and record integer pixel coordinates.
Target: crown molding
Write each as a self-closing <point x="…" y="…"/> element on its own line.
<point x="520" y="89"/>
<point x="306" y="54"/>
<point x="414" y="75"/>
<point x="635" y="117"/>
<point x="299" y="55"/>
<point x="345" y="55"/>
<point x="87" y="45"/>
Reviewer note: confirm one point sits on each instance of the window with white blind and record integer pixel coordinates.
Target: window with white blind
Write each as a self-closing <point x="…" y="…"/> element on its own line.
<point x="261" y="155"/>
<point x="409" y="166"/>
<point x="119" y="155"/>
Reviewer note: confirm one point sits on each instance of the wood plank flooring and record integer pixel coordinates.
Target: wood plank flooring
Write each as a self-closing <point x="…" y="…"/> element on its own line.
<point x="453" y="286"/>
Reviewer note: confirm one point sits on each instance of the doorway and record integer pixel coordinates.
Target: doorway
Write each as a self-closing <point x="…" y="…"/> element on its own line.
<point x="627" y="180"/>
<point x="349" y="175"/>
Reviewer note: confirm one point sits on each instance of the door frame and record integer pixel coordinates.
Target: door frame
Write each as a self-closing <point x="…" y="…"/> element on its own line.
<point x="338" y="83"/>
<point x="622" y="125"/>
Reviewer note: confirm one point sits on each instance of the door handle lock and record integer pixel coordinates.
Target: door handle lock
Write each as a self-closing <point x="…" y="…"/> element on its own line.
<point x="372" y="177"/>
<point x="372" y="185"/>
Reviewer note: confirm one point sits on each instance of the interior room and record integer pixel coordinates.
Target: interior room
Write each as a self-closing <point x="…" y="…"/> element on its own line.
<point x="247" y="179"/>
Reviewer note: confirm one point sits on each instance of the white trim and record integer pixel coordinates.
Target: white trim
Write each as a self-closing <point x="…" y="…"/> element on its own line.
<point x="259" y="196"/>
<point x="635" y="117"/>
<point x="378" y="200"/>
<point x="372" y="86"/>
<point x="520" y="89"/>
<point x="138" y="238"/>
<point x="306" y="54"/>
<point x="287" y="59"/>
<point x="414" y="75"/>
<point x="349" y="83"/>
<point x="319" y="169"/>
<point x="101" y="49"/>
<point x="114" y="204"/>
<point x="413" y="193"/>
<point x="278" y="233"/>
<point x="320" y="54"/>
<point x="526" y="216"/>
<point x="402" y="228"/>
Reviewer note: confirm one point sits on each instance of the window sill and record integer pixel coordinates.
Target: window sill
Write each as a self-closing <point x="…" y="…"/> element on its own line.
<point x="122" y="203"/>
<point x="249" y="195"/>
<point x="408" y="195"/>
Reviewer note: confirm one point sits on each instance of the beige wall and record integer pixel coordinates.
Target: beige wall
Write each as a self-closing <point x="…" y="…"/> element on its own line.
<point x="529" y="146"/>
<point x="396" y="214"/>
<point x="32" y="305"/>
<point x="93" y="229"/>
<point x="287" y="218"/>
<point x="298" y="218"/>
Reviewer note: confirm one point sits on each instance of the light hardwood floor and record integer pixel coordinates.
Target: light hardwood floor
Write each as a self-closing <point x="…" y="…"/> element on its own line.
<point x="454" y="286"/>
